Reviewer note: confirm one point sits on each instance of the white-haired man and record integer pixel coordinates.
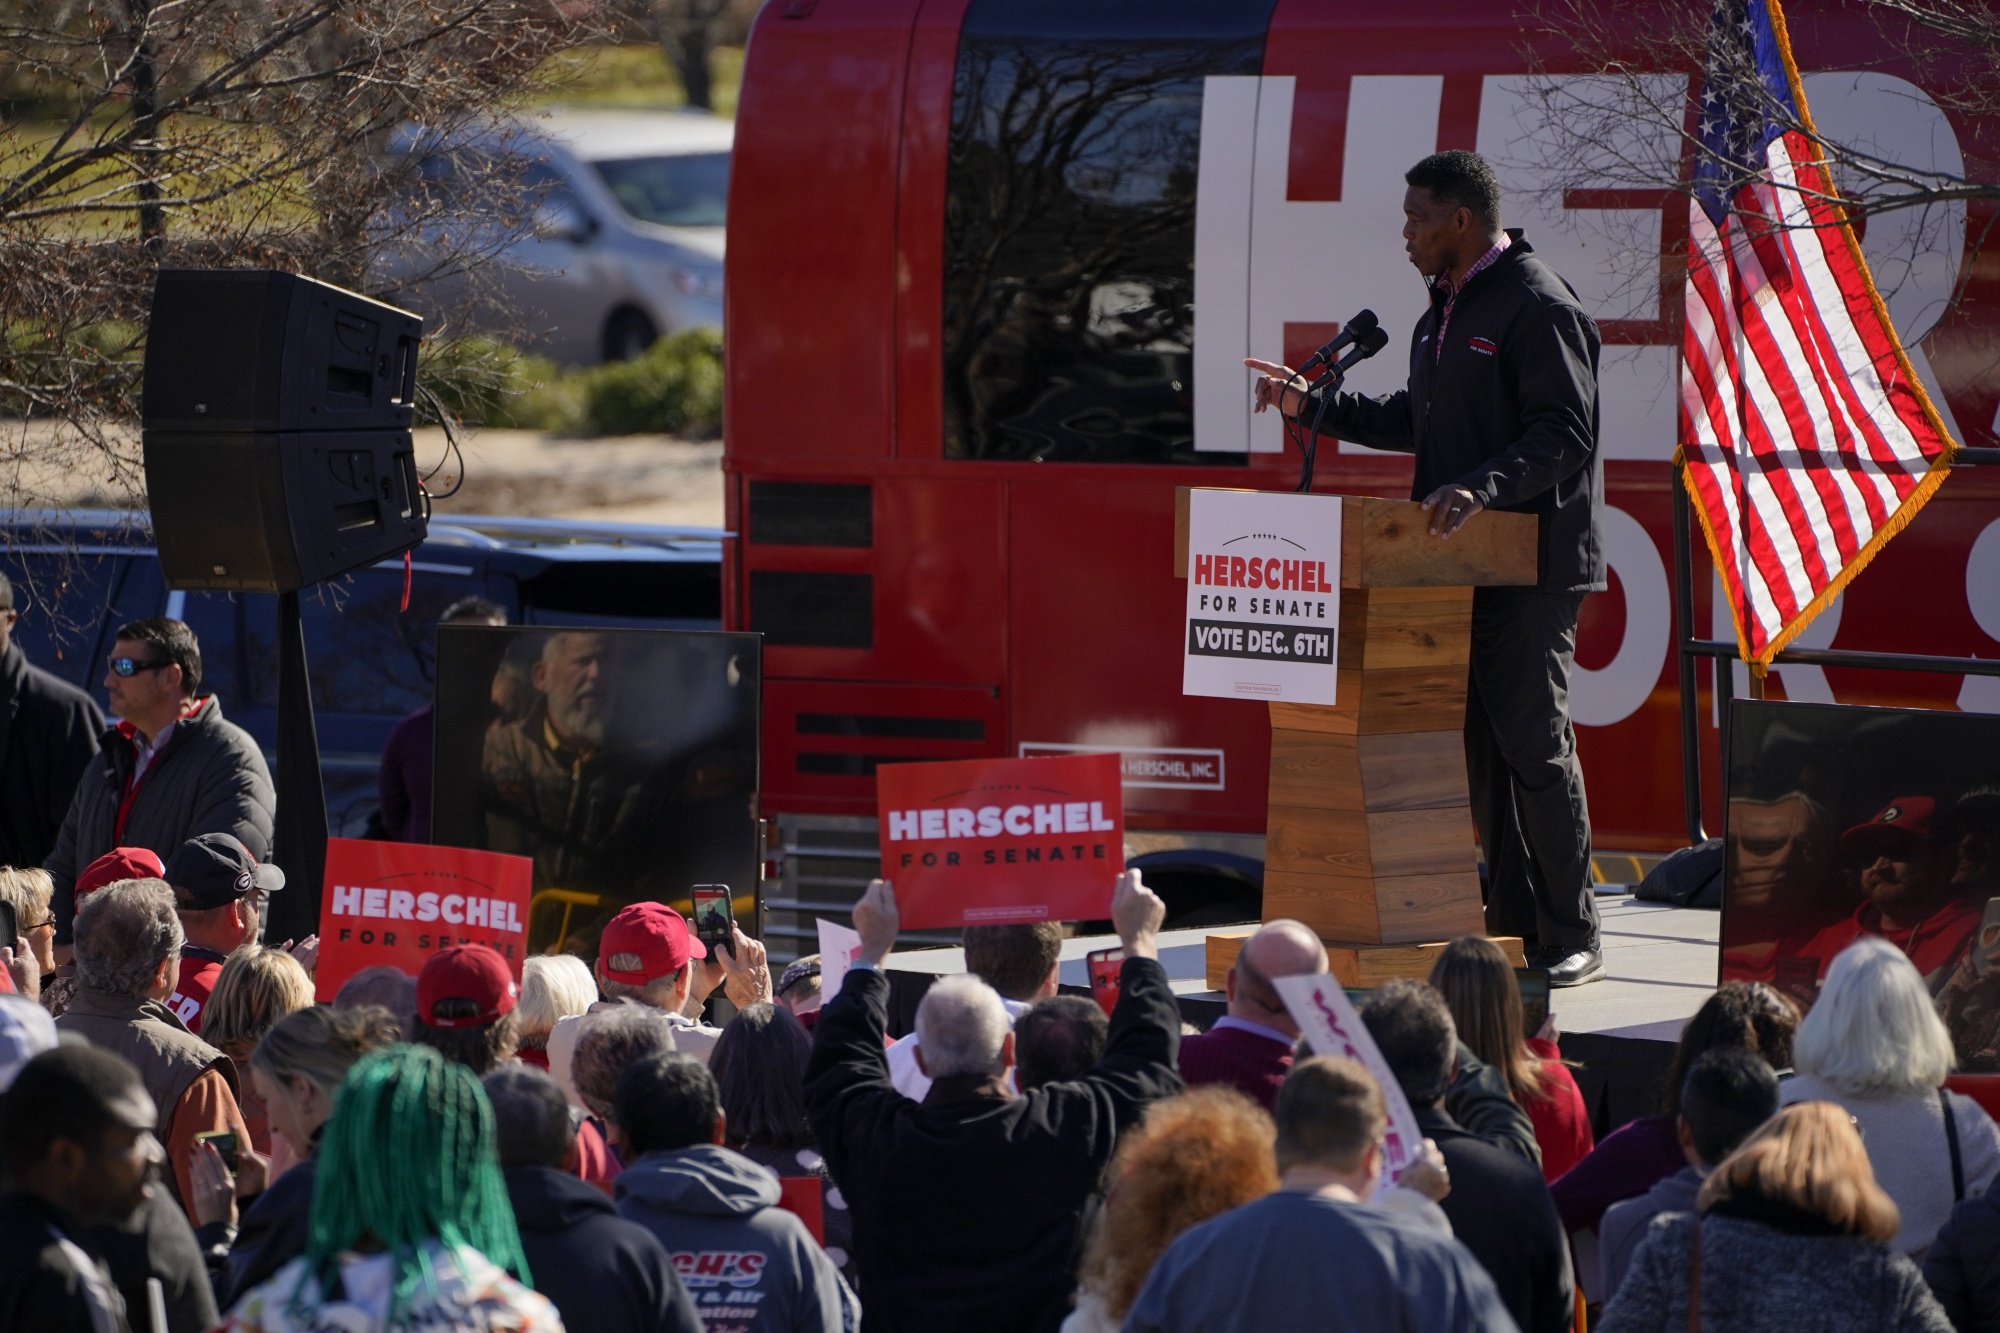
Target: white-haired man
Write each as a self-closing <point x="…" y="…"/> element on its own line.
<point x="969" y="1206"/>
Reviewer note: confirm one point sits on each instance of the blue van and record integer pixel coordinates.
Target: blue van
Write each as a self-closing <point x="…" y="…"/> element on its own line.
<point x="80" y="574"/>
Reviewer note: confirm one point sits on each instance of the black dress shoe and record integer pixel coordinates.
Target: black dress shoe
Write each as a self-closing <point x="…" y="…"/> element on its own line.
<point x="1571" y="967"/>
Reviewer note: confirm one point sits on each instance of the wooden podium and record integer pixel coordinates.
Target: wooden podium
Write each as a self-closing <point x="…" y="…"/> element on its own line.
<point x="1369" y="835"/>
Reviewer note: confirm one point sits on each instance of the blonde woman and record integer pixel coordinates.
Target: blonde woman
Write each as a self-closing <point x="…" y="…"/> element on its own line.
<point x="295" y="1071"/>
<point x="1790" y="1231"/>
<point x="553" y="986"/>
<point x="256" y="988"/>
<point x="29" y="893"/>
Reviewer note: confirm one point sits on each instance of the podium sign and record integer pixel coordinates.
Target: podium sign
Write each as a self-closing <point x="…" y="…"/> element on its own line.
<point x="1263" y="596"/>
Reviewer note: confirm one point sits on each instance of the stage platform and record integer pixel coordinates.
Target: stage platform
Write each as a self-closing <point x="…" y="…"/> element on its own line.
<point x="1661" y="963"/>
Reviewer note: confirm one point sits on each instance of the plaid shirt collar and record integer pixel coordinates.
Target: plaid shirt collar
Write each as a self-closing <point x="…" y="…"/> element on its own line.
<point x="1451" y="289"/>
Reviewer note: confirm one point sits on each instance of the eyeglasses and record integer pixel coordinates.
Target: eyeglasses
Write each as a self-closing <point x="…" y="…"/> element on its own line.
<point x="132" y="666"/>
<point x="49" y="924"/>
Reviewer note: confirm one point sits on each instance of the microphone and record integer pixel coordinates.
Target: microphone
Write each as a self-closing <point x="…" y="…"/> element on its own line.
<point x="1360" y="326"/>
<point x="1369" y="343"/>
<point x="1366" y="344"/>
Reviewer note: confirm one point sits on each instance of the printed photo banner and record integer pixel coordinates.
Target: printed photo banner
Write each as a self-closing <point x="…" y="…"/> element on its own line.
<point x="397" y="903"/>
<point x="988" y="841"/>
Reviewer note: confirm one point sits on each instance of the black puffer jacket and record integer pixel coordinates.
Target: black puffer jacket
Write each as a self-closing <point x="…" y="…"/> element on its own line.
<point x="1509" y="410"/>
<point x="1963" y="1266"/>
<point x="210" y="778"/>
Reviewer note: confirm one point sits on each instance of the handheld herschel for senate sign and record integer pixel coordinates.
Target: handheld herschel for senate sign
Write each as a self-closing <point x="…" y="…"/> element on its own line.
<point x="1263" y="596"/>
<point x="398" y="903"/>
<point x="988" y="841"/>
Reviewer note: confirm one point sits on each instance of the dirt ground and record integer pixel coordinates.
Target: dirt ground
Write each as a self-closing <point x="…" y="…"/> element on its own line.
<point x="627" y="479"/>
<point x="630" y="479"/>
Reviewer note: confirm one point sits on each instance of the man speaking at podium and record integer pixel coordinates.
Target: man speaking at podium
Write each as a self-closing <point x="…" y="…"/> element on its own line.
<point x="1501" y="413"/>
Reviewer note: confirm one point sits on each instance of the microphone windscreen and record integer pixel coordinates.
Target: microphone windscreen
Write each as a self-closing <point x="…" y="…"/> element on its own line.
<point x="1362" y="323"/>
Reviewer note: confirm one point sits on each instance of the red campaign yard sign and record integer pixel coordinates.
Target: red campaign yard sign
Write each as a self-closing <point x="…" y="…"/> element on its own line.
<point x="398" y="903"/>
<point x="986" y="841"/>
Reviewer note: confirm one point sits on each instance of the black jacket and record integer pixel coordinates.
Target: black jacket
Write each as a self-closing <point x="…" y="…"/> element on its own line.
<point x="1963" y="1266"/>
<point x="211" y="778"/>
<point x="51" y="1278"/>
<point x="48" y="736"/>
<point x="1481" y="1104"/>
<point x="970" y="1209"/>
<point x="157" y="1242"/>
<point x="270" y="1234"/>
<point x="599" y="1270"/>
<point x="1500" y="1209"/>
<point x="1509" y="410"/>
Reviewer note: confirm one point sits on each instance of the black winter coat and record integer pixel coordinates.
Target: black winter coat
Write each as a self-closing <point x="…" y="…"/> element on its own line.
<point x="48" y="736"/>
<point x="601" y="1271"/>
<point x="1509" y="410"/>
<point x="270" y="1234"/>
<point x="970" y="1209"/>
<point x="211" y="778"/>
<point x="1963" y="1266"/>
<point x="1502" y="1211"/>
<point x="157" y="1242"/>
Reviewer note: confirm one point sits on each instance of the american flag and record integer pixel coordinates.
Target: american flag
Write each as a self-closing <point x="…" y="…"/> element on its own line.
<point x="1807" y="440"/>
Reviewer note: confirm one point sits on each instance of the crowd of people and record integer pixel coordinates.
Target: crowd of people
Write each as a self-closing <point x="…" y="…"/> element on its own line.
<point x="668" y="1137"/>
<point x="583" y="1150"/>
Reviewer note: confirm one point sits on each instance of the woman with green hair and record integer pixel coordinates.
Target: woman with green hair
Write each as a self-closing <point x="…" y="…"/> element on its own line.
<point x="411" y="1227"/>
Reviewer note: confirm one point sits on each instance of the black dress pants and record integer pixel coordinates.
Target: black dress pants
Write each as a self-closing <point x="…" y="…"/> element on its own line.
<point x="1520" y="754"/>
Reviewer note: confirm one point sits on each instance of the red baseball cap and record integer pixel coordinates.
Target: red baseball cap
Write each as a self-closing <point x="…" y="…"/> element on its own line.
<point x="1895" y="827"/>
<point x="466" y="972"/>
<point x="116" y="864"/>
<point x="656" y="935"/>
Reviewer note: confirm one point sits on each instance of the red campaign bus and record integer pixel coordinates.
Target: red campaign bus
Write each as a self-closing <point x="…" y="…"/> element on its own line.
<point x="968" y="239"/>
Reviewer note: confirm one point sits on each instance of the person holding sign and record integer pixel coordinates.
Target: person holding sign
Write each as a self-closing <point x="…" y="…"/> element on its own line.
<point x="1315" y="1254"/>
<point x="968" y="1206"/>
<point x="1501" y="412"/>
<point x="1499" y="1205"/>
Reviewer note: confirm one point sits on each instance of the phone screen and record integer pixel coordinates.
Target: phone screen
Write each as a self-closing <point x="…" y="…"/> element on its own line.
<point x="225" y="1143"/>
<point x="1534" y="986"/>
<point x="10" y="925"/>
<point x="1104" y="965"/>
<point x="713" y="916"/>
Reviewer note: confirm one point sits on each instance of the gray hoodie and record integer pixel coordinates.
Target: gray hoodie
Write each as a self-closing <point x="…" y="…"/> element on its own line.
<point x="750" y="1266"/>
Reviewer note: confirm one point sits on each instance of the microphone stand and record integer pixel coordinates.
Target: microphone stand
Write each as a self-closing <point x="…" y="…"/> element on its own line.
<point x="1326" y="386"/>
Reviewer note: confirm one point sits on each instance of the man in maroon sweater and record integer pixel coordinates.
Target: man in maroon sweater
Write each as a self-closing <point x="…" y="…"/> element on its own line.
<point x="1250" y="1047"/>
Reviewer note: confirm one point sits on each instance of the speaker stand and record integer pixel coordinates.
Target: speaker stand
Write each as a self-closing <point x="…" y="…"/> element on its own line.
<point x="298" y="845"/>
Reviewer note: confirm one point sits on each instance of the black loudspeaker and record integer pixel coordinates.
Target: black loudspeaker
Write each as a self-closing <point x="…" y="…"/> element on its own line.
<point x="250" y="349"/>
<point x="277" y="443"/>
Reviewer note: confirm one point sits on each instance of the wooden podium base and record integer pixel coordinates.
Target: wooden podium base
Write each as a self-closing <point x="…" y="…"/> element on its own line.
<point x="1358" y="966"/>
<point x="1368" y="838"/>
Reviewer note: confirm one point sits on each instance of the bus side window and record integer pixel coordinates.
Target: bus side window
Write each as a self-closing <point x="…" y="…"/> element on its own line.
<point x="1069" y="227"/>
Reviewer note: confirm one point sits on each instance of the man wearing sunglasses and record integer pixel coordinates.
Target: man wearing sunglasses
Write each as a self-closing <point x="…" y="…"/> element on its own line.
<point x="48" y="736"/>
<point x="170" y="770"/>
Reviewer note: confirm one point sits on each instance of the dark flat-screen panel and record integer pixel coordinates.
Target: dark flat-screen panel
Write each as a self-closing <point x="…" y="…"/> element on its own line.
<point x="1848" y="821"/>
<point x="623" y="761"/>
